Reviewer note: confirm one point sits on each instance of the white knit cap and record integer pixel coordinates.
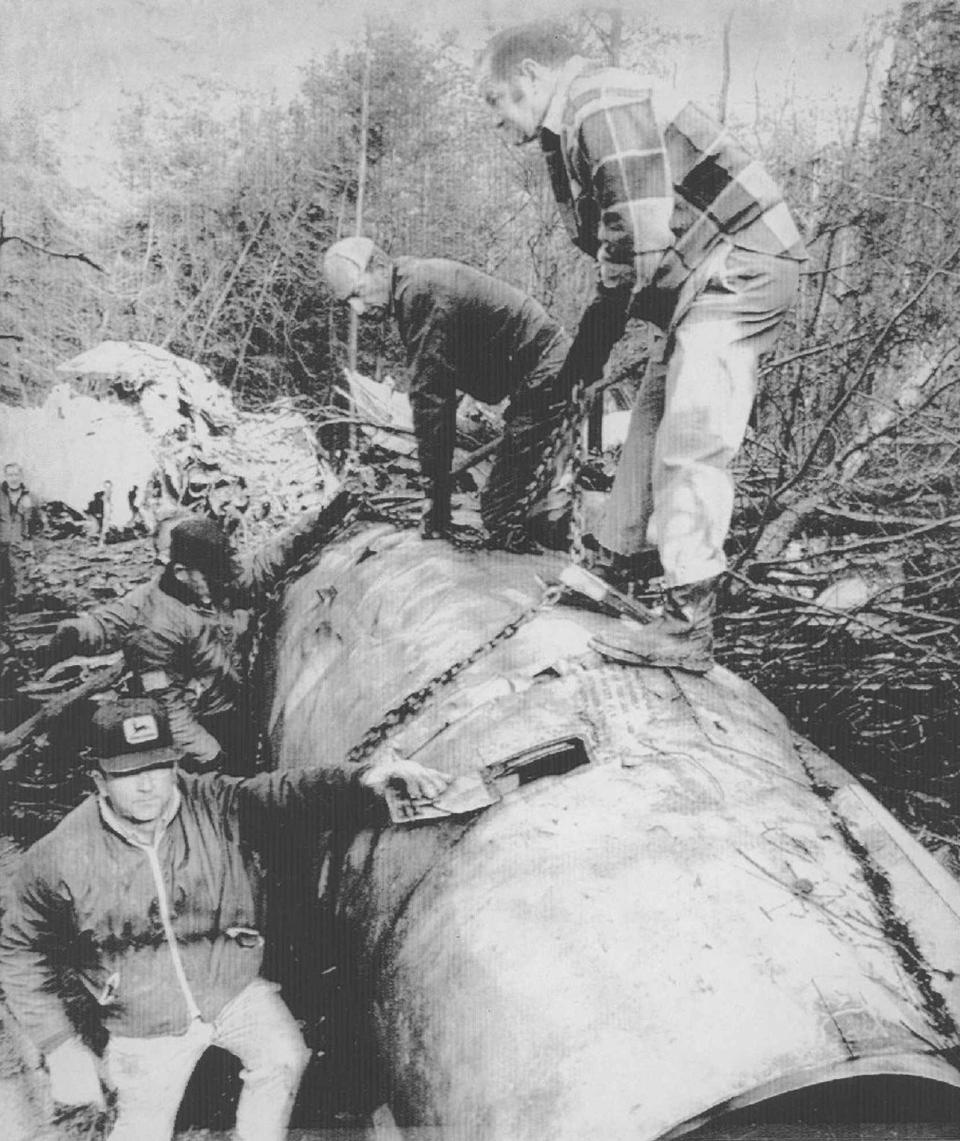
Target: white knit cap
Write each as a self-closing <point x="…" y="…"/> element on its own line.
<point x="345" y="263"/>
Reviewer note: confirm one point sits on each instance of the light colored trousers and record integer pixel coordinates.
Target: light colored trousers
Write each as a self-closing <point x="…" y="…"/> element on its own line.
<point x="151" y="1074"/>
<point x="673" y="489"/>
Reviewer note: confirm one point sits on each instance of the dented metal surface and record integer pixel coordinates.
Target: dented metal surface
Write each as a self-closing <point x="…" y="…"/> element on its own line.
<point x="708" y="913"/>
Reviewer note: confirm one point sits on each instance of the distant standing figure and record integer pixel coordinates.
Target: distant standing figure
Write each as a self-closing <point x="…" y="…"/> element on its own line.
<point x="19" y="522"/>
<point x="137" y="522"/>
<point x="99" y="508"/>
<point x="465" y="331"/>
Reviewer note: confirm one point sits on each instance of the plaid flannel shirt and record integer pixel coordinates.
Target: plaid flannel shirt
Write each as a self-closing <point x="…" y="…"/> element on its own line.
<point x="649" y="186"/>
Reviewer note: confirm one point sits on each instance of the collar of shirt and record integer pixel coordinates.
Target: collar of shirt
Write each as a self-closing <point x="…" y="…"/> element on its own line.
<point x="553" y="116"/>
<point x="394" y="285"/>
<point x="113" y="821"/>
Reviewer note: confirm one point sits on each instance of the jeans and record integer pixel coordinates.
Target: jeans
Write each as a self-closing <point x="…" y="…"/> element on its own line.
<point x="151" y="1074"/>
<point x="673" y="490"/>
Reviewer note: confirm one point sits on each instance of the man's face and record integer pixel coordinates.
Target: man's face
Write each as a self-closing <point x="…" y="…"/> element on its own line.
<point x="372" y="294"/>
<point x="142" y="797"/>
<point x="206" y="588"/>
<point x="13" y="475"/>
<point x="517" y="103"/>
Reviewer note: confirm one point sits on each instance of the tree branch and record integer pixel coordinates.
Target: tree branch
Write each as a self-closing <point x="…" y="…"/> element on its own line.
<point x="5" y="237"/>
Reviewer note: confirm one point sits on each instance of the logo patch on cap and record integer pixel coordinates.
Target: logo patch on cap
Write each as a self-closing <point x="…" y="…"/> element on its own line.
<point x="140" y="729"/>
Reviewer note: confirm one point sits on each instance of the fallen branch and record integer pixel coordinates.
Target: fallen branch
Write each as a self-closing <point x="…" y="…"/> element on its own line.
<point x="843" y="616"/>
<point x="12" y="743"/>
<point x="861" y="544"/>
<point x="474" y="458"/>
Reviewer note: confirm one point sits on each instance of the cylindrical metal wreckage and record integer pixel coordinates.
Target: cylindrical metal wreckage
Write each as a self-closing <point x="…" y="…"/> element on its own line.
<point x="675" y="906"/>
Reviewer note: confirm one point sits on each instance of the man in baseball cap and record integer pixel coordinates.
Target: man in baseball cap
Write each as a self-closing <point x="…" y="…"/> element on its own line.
<point x="129" y="736"/>
<point x="145" y="891"/>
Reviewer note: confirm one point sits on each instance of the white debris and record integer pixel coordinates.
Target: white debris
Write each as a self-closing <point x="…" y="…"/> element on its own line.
<point x="131" y="414"/>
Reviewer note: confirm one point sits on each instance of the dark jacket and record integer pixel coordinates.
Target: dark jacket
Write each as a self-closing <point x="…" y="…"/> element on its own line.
<point x="188" y="656"/>
<point x="192" y="657"/>
<point x="19" y="517"/>
<point x="90" y="901"/>
<point x="464" y="331"/>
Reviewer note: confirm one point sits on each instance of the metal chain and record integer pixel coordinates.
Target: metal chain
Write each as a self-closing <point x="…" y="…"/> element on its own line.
<point x="511" y="535"/>
<point x="511" y="527"/>
<point x="418" y="698"/>
<point x="512" y="531"/>
<point x="577" y="521"/>
<point x="268" y="606"/>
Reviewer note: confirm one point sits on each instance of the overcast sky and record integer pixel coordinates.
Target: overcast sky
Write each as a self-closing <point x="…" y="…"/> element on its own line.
<point x="77" y="62"/>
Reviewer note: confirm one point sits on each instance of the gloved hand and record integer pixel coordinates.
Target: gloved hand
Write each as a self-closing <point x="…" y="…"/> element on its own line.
<point x="64" y="644"/>
<point x="74" y="1077"/>
<point x="435" y="522"/>
<point x="601" y="326"/>
<point x="215" y="764"/>
<point x="654" y="305"/>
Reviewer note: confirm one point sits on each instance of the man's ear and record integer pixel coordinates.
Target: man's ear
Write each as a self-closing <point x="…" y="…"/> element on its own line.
<point x="531" y="69"/>
<point x="99" y="780"/>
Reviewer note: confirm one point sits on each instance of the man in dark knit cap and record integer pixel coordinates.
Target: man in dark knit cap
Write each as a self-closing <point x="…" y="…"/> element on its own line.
<point x="186" y="634"/>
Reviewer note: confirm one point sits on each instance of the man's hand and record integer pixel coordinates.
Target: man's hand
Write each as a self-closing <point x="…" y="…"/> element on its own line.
<point x="64" y="644"/>
<point x="74" y="1077"/>
<point x="654" y="305"/>
<point x="419" y="782"/>
<point x="601" y="326"/>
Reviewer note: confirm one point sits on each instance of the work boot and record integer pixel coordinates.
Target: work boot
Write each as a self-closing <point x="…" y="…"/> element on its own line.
<point x="681" y="638"/>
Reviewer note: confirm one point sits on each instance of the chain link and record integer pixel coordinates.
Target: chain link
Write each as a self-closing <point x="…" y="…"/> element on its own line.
<point x="511" y="527"/>
<point x="577" y="520"/>
<point x="267" y="609"/>
<point x="418" y="698"/>
<point x="511" y="535"/>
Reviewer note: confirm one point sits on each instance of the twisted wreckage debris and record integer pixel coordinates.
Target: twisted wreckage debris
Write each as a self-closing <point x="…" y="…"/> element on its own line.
<point x="146" y="431"/>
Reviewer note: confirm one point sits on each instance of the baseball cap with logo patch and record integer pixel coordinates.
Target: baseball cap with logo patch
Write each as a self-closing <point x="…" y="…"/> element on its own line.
<point x="131" y="734"/>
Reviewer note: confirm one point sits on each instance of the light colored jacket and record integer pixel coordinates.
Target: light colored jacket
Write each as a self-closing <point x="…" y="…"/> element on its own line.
<point x="152" y="932"/>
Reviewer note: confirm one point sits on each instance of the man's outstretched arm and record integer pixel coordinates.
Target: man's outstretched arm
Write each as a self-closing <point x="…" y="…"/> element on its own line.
<point x="311" y="531"/>
<point x="341" y="793"/>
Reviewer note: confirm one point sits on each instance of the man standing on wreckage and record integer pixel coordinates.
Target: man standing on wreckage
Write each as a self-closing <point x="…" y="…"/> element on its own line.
<point x="691" y="234"/>
<point x="464" y="331"/>
<point x="146" y="895"/>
